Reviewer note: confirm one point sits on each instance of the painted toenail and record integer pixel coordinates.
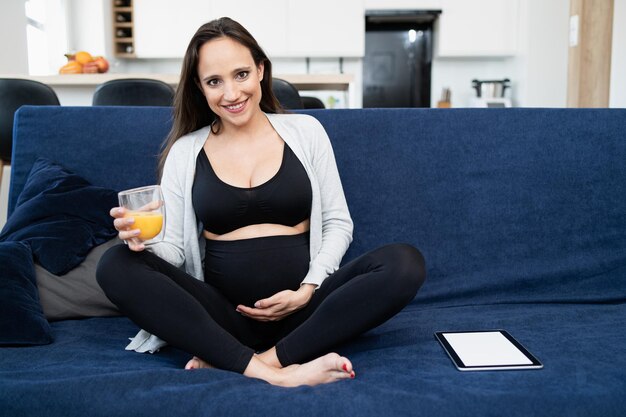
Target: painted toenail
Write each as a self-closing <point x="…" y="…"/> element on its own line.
<point x="345" y="367"/>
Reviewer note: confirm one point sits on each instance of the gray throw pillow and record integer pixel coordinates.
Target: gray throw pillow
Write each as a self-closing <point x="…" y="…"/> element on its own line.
<point x="76" y="294"/>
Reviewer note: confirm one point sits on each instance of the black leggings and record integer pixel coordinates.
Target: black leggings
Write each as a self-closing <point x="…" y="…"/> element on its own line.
<point x="200" y="317"/>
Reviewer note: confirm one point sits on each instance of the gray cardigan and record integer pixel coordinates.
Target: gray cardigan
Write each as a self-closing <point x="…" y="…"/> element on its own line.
<point x="330" y="223"/>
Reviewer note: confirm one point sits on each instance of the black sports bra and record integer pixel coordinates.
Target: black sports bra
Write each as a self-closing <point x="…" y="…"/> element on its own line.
<point x="284" y="199"/>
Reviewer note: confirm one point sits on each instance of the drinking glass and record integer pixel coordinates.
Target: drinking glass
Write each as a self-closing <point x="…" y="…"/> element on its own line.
<point x="147" y="207"/>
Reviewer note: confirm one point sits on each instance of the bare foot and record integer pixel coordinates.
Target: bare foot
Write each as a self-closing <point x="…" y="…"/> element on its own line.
<point x="323" y="370"/>
<point x="197" y="363"/>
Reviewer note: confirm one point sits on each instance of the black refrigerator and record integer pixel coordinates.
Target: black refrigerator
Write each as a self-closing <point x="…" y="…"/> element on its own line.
<point x="398" y="58"/>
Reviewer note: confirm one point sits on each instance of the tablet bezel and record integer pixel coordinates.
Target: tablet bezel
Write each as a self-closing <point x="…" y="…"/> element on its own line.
<point x="462" y="367"/>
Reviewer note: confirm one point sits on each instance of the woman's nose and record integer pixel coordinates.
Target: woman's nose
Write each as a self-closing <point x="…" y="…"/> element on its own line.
<point x="231" y="91"/>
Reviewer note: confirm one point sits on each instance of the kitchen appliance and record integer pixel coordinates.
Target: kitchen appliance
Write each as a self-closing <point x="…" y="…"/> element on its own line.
<point x="490" y="93"/>
<point x="398" y="58"/>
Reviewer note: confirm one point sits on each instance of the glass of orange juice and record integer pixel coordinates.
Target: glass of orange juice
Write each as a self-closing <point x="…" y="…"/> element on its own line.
<point x="147" y="207"/>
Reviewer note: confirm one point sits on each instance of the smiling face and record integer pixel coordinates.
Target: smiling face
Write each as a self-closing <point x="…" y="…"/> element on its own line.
<point x="230" y="81"/>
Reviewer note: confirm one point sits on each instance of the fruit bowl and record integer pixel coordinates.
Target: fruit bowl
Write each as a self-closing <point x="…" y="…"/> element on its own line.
<point x="83" y="62"/>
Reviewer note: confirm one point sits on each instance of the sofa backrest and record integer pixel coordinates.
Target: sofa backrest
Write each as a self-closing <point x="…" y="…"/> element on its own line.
<point x="114" y="147"/>
<point x="507" y="205"/>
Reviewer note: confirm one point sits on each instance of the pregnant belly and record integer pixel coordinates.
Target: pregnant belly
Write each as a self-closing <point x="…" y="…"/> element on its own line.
<point x="247" y="270"/>
<point x="260" y="230"/>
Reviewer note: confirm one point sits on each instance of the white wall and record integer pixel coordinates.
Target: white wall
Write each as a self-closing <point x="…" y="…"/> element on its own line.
<point x="617" y="92"/>
<point x="14" y="60"/>
<point x="542" y="58"/>
<point x="87" y="30"/>
<point x="403" y="4"/>
<point x="13" y="52"/>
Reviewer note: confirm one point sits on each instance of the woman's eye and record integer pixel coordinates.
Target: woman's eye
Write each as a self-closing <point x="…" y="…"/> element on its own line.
<point x="213" y="82"/>
<point x="243" y="75"/>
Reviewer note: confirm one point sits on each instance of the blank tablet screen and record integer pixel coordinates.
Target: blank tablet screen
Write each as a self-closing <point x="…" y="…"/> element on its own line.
<point x="484" y="350"/>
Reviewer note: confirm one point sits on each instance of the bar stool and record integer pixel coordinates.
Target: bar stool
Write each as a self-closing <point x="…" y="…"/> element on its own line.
<point x="133" y="92"/>
<point x="287" y="94"/>
<point x="310" y="102"/>
<point x="14" y="93"/>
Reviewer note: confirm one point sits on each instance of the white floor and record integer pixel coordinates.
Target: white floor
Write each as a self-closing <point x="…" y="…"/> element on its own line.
<point x="4" y="194"/>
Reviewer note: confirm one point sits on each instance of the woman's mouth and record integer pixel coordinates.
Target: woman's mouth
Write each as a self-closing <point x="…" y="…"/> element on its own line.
<point x="236" y="108"/>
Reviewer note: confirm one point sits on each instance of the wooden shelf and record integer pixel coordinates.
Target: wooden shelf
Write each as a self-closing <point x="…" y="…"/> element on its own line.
<point x="124" y="46"/>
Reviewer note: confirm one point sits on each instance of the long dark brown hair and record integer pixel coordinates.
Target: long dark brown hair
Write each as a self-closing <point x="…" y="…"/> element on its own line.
<point x="191" y="110"/>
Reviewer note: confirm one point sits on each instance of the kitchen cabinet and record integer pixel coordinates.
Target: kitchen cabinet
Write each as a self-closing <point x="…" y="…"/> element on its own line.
<point x="283" y="28"/>
<point x="295" y="28"/>
<point x="267" y="24"/>
<point x="163" y="29"/>
<point x="326" y="28"/>
<point x="477" y="28"/>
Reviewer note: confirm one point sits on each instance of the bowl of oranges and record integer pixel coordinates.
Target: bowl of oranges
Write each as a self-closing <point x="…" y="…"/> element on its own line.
<point x="83" y="62"/>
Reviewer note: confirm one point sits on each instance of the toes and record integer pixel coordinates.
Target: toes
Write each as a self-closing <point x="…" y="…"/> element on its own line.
<point x="193" y="363"/>
<point x="343" y="375"/>
<point x="197" y="363"/>
<point x="344" y="364"/>
<point x="323" y="370"/>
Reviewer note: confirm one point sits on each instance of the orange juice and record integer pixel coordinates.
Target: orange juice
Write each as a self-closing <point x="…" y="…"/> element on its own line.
<point x="150" y="223"/>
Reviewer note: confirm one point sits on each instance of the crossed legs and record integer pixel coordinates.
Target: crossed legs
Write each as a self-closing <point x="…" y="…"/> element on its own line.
<point x="195" y="317"/>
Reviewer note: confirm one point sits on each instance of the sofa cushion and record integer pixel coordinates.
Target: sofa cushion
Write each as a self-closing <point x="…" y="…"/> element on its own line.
<point x="76" y="294"/>
<point x="21" y="320"/>
<point x="61" y="216"/>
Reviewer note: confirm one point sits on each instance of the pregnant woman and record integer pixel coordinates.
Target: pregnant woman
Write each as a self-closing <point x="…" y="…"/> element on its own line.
<point x="247" y="277"/>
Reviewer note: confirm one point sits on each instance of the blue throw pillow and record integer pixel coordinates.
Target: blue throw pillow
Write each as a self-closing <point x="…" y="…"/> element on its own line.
<point x="21" y="319"/>
<point x="61" y="216"/>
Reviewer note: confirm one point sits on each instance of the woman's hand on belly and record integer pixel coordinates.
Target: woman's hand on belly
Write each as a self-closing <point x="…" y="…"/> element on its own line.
<point x="280" y="305"/>
<point x="260" y="230"/>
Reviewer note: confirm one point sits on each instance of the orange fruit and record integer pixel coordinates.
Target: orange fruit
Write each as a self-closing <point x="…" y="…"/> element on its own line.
<point x="83" y="57"/>
<point x="72" y="67"/>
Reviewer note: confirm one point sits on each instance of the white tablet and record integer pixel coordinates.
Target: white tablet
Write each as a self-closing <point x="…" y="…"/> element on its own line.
<point x="486" y="350"/>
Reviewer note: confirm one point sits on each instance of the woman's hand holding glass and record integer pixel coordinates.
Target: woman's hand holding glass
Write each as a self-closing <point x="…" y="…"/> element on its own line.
<point x="140" y="218"/>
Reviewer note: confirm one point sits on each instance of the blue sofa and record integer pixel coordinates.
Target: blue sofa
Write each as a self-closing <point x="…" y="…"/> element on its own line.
<point x="520" y="214"/>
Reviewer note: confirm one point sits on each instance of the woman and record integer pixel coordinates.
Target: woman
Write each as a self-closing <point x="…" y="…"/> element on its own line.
<point x="257" y="218"/>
